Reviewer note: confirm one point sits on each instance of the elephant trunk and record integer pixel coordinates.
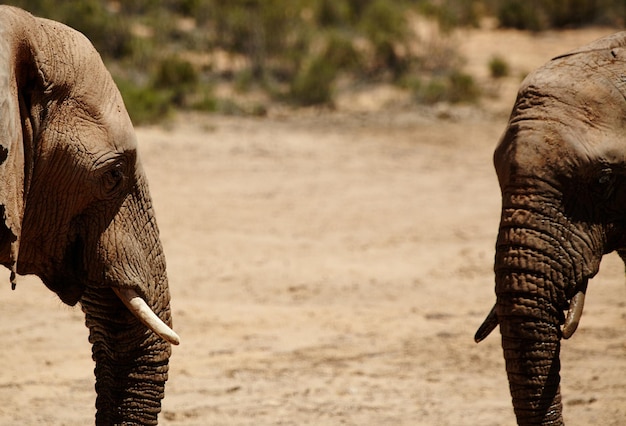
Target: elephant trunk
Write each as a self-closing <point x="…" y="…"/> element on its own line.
<point x="131" y="361"/>
<point x="539" y="267"/>
<point x="531" y="348"/>
<point x="530" y="328"/>
<point x="130" y="352"/>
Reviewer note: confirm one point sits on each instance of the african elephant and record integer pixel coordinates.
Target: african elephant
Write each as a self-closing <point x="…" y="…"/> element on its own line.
<point x="561" y="165"/>
<point x="76" y="209"/>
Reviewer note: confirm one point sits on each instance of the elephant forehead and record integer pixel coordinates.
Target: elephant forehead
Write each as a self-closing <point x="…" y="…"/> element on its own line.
<point x="609" y="42"/>
<point x="104" y="112"/>
<point x="99" y="135"/>
<point x="552" y="150"/>
<point x="92" y="96"/>
<point x="568" y="113"/>
<point x="531" y="149"/>
<point x="120" y="132"/>
<point x="570" y="97"/>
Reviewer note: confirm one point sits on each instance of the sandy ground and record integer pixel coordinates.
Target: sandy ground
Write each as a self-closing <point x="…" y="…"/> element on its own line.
<point x="327" y="269"/>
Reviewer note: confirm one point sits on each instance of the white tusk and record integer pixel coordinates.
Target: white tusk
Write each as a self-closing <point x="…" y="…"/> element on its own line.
<point x="142" y="311"/>
<point x="573" y="314"/>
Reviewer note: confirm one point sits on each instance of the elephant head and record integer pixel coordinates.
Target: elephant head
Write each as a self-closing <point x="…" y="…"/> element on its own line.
<point x="561" y="165"/>
<point x="76" y="210"/>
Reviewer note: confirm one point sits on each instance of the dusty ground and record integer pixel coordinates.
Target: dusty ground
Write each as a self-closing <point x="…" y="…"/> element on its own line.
<point x="327" y="269"/>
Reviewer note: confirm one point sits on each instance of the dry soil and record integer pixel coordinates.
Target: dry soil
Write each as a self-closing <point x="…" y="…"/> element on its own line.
<point x="327" y="268"/>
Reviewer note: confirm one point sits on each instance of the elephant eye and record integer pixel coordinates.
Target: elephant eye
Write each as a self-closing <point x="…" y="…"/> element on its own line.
<point x="605" y="183"/>
<point x="113" y="178"/>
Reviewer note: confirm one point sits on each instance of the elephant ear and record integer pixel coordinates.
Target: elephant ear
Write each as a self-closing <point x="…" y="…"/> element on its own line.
<point x="610" y="42"/>
<point x="12" y="129"/>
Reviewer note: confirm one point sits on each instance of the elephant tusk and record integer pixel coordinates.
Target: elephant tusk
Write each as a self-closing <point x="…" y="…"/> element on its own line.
<point x="142" y="311"/>
<point x="573" y="314"/>
<point x="488" y="325"/>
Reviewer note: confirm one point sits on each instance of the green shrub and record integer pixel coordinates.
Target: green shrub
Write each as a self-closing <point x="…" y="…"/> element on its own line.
<point x="340" y="52"/>
<point x="522" y="14"/>
<point x="244" y="80"/>
<point x="332" y="13"/>
<point x="498" y="67"/>
<point x="173" y="71"/>
<point x="261" y="30"/>
<point x="145" y="104"/>
<point x="538" y="15"/>
<point x="108" y="31"/>
<point x="410" y="83"/>
<point x="566" y="13"/>
<point x="457" y="87"/>
<point x="206" y="103"/>
<point x="452" y="13"/>
<point x="462" y="88"/>
<point x="314" y="83"/>
<point x="384" y="24"/>
<point x="293" y="49"/>
<point x="434" y="91"/>
<point x="177" y="77"/>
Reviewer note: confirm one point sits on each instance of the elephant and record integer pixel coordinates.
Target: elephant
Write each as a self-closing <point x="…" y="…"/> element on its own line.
<point x="76" y="210"/>
<point x="561" y="167"/>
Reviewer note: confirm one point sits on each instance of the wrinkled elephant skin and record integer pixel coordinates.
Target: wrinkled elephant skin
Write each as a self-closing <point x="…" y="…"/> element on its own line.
<point x="561" y="165"/>
<point x="76" y="210"/>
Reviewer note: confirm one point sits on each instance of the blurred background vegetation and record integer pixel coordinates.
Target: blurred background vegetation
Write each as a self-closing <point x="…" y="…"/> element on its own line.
<point x="178" y="54"/>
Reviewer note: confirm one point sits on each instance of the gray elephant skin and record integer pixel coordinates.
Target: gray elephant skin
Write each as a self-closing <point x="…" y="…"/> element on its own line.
<point x="76" y="210"/>
<point x="561" y="165"/>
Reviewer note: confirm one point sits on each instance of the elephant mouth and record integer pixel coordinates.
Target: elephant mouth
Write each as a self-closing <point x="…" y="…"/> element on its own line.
<point x="69" y="283"/>
<point x="67" y="286"/>
<point x="71" y="291"/>
<point x="68" y="279"/>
